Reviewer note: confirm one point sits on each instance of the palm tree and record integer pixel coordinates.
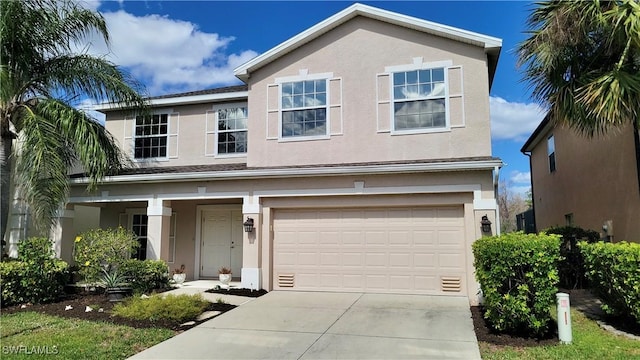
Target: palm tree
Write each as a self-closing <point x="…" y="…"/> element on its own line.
<point x="41" y="78"/>
<point x="582" y="62"/>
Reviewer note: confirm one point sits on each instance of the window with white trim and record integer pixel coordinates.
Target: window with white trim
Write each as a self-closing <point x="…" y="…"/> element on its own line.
<point x="304" y="108"/>
<point x="139" y="226"/>
<point x="232" y="130"/>
<point x="150" y="136"/>
<point x="551" y="153"/>
<point x="419" y="99"/>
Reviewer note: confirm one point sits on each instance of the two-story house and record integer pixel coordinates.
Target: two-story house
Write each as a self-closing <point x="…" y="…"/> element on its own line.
<point x="357" y="154"/>
<point x="593" y="183"/>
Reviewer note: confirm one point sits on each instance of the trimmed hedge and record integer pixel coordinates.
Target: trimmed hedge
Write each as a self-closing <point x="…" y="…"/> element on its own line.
<point x="518" y="274"/>
<point x="571" y="267"/>
<point x="146" y="275"/>
<point x="614" y="272"/>
<point x="35" y="277"/>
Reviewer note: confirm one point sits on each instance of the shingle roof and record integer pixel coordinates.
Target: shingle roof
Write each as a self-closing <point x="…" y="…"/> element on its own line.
<point x="221" y="90"/>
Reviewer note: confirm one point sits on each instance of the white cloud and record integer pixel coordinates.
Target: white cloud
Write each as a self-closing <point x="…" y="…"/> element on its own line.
<point x="167" y="54"/>
<point x="520" y="177"/>
<point x="512" y="120"/>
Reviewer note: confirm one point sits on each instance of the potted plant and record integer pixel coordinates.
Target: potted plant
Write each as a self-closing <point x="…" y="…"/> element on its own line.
<point x="116" y="285"/>
<point x="224" y="275"/>
<point x="179" y="274"/>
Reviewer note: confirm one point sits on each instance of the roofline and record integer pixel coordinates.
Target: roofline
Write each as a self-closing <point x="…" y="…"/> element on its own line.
<point x="181" y="100"/>
<point x="534" y="138"/>
<point x="492" y="45"/>
<point x="301" y="172"/>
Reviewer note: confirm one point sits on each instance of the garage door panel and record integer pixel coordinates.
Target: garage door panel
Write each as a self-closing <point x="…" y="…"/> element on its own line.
<point x="402" y="250"/>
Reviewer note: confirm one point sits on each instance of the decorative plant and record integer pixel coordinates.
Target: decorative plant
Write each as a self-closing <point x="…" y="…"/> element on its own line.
<point x="99" y="248"/>
<point x="224" y="270"/>
<point x="180" y="270"/>
<point x="113" y="279"/>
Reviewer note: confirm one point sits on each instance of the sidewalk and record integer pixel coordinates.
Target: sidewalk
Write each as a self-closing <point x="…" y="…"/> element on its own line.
<point x="200" y="286"/>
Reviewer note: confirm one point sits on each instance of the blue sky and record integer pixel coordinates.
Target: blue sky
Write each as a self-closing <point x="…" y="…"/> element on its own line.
<point x="175" y="46"/>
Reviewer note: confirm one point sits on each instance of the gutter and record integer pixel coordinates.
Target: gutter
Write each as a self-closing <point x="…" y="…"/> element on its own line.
<point x="299" y="172"/>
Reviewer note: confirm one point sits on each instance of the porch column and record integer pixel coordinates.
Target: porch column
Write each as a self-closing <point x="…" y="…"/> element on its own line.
<point x="251" y="244"/>
<point x="158" y="228"/>
<point x="63" y="234"/>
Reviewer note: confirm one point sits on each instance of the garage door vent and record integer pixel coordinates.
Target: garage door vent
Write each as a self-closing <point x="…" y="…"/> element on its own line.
<point x="285" y="280"/>
<point x="450" y="284"/>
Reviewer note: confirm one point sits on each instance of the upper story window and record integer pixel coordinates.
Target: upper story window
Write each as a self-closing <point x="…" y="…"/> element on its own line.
<point x="419" y="99"/>
<point x="232" y="130"/>
<point x="151" y="133"/>
<point x="304" y="109"/>
<point x="551" y="153"/>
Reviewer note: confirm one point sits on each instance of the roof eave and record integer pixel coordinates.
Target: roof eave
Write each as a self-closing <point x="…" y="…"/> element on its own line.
<point x="535" y="137"/>
<point x="490" y="164"/>
<point x="180" y="100"/>
<point x="490" y="44"/>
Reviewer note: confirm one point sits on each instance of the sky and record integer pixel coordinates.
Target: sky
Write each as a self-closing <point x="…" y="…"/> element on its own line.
<point x="177" y="46"/>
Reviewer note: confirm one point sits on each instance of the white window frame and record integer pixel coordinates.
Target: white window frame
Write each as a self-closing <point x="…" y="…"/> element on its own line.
<point x="299" y="78"/>
<point x="173" y="229"/>
<point x="158" y="112"/>
<point x="551" y="152"/>
<point x="419" y="65"/>
<point x="215" y="132"/>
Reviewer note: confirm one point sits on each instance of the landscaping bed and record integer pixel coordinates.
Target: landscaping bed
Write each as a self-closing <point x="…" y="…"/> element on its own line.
<point x="238" y="292"/>
<point x="79" y="302"/>
<point x="486" y="334"/>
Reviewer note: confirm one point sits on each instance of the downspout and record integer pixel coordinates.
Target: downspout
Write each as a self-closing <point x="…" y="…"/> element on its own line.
<point x="496" y="178"/>
<point x="533" y="198"/>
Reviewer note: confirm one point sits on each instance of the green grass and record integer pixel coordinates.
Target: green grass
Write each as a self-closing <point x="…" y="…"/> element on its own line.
<point x="23" y="333"/>
<point x="589" y="342"/>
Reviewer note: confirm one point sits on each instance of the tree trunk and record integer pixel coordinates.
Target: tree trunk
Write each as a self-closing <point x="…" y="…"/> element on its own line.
<point x="6" y="142"/>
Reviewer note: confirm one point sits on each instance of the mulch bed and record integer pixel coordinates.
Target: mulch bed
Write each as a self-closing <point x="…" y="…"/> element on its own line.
<point x="79" y="302"/>
<point x="486" y="334"/>
<point x="238" y="292"/>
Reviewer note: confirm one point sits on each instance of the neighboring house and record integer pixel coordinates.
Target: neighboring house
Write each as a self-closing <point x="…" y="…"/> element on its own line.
<point x="592" y="183"/>
<point x="360" y="149"/>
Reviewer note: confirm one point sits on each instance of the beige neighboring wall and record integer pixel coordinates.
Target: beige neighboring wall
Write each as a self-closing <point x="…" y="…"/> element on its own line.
<point x="359" y="125"/>
<point x="595" y="180"/>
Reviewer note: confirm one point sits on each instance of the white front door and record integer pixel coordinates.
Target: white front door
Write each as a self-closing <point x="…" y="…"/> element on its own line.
<point x="221" y="242"/>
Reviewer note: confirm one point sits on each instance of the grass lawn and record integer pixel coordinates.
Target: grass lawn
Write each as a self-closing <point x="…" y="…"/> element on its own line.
<point x="24" y="334"/>
<point x="589" y="342"/>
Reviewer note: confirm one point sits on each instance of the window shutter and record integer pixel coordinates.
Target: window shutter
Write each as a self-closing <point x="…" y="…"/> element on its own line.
<point x="383" y="102"/>
<point x="210" y="133"/>
<point x="273" y="111"/>
<point x="172" y="141"/>
<point x="335" y="106"/>
<point x="128" y="144"/>
<point x="456" y="98"/>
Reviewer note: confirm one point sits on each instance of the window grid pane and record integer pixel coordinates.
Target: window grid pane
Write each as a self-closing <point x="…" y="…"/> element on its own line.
<point x="232" y="130"/>
<point x="419" y="99"/>
<point x="139" y="227"/>
<point x="304" y="105"/>
<point x="151" y="136"/>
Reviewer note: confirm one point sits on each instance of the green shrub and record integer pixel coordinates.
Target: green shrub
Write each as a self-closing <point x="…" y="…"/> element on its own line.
<point x="178" y="308"/>
<point x="518" y="274"/>
<point x="571" y="266"/>
<point x="146" y="275"/>
<point x="98" y="249"/>
<point x="614" y="273"/>
<point x="35" y="277"/>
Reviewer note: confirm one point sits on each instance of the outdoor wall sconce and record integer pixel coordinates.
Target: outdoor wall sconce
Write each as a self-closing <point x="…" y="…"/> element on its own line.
<point x="248" y="225"/>
<point x="485" y="224"/>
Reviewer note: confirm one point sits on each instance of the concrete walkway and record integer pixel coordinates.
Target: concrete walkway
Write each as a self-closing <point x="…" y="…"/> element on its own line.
<point x="313" y="325"/>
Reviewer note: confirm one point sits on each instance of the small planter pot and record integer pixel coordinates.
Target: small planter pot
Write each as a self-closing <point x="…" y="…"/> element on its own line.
<point x="118" y="294"/>
<point x="179" y="278"/>
<point x="225" y="279"/>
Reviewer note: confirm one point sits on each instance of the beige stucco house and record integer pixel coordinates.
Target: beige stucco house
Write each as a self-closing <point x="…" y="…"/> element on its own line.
<point x="360" y="149"/>
<point x="593" y="183"/>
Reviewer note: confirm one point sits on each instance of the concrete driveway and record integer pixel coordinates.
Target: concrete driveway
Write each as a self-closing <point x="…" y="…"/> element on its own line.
<point x="314" y="325"/>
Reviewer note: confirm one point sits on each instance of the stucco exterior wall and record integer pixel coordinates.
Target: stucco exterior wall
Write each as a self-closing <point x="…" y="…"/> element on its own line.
<point x="359" y="125"/>
<point x="595" y="180"/>
<point x="188" y="143"/>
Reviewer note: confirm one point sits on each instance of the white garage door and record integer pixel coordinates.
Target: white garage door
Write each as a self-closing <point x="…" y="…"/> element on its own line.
<point x="392" y="250"/>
